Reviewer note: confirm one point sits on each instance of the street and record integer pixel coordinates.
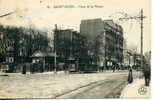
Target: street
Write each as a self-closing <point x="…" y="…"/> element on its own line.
<point x="108" y="88"/>
<point x="49" y="85"/>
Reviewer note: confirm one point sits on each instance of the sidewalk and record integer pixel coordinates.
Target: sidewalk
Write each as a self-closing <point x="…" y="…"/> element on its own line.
<point x="137" y="89"/>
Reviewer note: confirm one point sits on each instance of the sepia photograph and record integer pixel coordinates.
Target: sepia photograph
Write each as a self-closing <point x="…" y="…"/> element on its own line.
<point x="75" y="49"/>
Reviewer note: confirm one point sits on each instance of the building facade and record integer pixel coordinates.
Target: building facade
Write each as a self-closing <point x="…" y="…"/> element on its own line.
<point x="69" y="43"/>
<point x="105" y="39"/>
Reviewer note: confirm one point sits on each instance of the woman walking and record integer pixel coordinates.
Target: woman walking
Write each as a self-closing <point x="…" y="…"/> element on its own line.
<point x="130" y="76"/>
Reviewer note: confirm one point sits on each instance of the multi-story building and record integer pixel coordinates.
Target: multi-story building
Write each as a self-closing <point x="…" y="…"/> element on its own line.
<point x="105" y="39"/>
<point x="68" y="44"/>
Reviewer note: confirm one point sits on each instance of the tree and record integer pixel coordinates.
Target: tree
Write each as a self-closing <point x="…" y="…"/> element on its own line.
<point x="24" y="41"/>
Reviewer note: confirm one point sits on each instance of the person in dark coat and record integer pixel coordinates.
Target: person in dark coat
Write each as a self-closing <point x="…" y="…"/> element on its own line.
<point x="130" y="76"/>
<point x="24" y="69"/>
<point x="32" y="68"/>
<point x="114" y="67"/>
<point x="147" y="74"/>
<point x="102" y="68"/>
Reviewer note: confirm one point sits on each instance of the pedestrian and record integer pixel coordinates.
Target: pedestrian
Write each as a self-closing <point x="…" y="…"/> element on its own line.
<point x="33" y="68"/>
<point x="113" y="68"/>
<point x="130" y="76"/>
<point x="147" y="74"/>
<point x="24" y="69"/>
<point x="102" y="68"/>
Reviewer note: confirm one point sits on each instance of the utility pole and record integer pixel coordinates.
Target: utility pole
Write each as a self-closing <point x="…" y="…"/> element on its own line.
<point x="141" y="17"/>
<point x="55" y="48"/>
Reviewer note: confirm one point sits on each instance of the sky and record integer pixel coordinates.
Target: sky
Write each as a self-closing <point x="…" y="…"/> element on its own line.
<point x="44" y="14"/>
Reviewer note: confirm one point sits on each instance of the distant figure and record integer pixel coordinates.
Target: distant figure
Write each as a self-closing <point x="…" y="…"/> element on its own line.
<point x="24" y="69"/>
<point x="130" y="76"/>
<point x="147" y="74"/>
<point x="33" y="68"/>
<point x="102" y="68"/>
<point x="114" y="68"/>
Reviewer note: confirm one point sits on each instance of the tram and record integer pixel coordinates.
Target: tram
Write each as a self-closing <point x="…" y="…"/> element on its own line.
<point x="81" y="65"/>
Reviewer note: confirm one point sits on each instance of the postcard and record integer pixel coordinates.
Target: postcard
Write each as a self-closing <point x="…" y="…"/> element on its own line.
<point x="75" y="49"/>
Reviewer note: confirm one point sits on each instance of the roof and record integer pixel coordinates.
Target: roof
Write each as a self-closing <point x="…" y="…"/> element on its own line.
<point x="112" y="24"/>
<point x="42" y="54"/>
<point x="91" y="20"/>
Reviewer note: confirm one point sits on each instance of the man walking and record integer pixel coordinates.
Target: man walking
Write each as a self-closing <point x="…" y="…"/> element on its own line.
<point x="147" y="74"/>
